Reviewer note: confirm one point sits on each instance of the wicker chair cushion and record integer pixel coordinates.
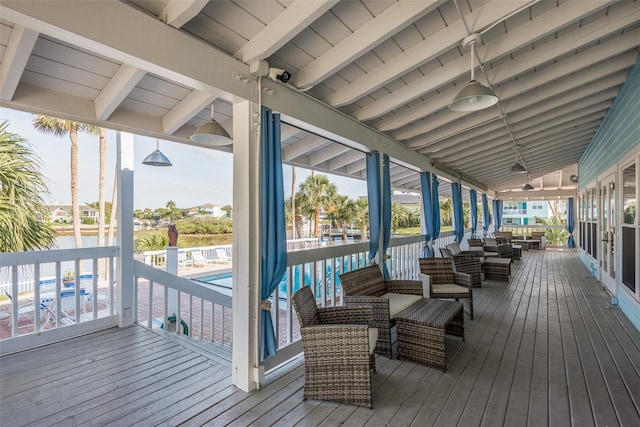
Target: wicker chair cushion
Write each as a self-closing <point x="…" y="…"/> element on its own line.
<point x="398" y="302"/>
<point x="426" y="285"/>
<point x="373" y="339"/>
<point x="449" y="289"/>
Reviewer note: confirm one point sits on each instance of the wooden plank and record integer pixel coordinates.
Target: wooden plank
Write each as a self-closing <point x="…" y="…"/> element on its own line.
<point x="545" y="348"/>
<point x="559" y="411"/>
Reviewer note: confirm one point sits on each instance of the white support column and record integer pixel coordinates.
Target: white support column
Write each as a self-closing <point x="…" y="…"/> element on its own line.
<point x="172" y="267"/>
<point x="125" y="228"/>
<point x="246" y="256"/>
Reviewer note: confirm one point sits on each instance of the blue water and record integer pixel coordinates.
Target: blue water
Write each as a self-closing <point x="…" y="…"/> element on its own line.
<point x="224" y="282"/>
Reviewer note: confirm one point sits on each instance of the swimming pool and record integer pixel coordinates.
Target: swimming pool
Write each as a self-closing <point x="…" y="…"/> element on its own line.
<point x="223" y="282"/>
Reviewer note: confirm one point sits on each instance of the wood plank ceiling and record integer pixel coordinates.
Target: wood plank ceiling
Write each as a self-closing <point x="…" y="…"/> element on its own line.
<point x="556" y="66"/>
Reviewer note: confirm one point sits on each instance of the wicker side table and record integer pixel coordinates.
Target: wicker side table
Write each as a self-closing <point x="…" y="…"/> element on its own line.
<point x="422" y="328"/>
<point x="497" y="268"/>
<point x="517" y="252"/>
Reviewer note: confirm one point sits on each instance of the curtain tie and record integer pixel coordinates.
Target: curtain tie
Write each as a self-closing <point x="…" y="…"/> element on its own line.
<point x="266" y="305"/>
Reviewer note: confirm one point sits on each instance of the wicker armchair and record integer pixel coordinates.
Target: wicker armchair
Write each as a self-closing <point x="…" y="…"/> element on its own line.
<point x="444" y="282"/>
<point x="338" y="345"/>
<point x="366" y="286"/>
<point x="466" y="263"/>
<point x="506" y="251"/>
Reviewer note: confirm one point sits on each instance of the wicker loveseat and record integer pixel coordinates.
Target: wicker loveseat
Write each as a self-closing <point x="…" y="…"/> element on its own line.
<point x="338" y="344"/>
<point x="366" y="286"/>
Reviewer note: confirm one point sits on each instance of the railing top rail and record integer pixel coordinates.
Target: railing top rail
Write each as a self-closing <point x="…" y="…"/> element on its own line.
<point x="181" y="284"/>
<point x="26" y="258"/>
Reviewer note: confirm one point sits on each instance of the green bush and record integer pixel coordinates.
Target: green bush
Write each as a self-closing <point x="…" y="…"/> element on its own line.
<point x="88" y="221"/>
<point x="154" y="241"/>
<point x="200" y="225"/>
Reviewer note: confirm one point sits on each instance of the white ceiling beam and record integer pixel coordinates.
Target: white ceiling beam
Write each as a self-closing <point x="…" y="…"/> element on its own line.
<point x="345" y="159"/>
<point x="608" y="58"/>
<point x="327" y="154"/>
<point x="423" y="52"/>
<point x="185" y="110"/>
<point x="178" y="12"/>
<point x="524" y="35"/>
<point x="301" y="147"/>
<point x="595" y="54"/>
<point x="358" y="166"/>
<point x="295" y="18"/>
<point x="288" y="131"/>
<point x="116" y="90"/>
<point x="90" y="26"/>
<point x="461" y="154"/>
<point x="16" y="55"/>
<point x="536" y="194"/>
<point x="375" y="31"/>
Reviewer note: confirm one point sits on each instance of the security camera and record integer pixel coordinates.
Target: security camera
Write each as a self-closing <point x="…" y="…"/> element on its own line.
<point x="279" y="74"/>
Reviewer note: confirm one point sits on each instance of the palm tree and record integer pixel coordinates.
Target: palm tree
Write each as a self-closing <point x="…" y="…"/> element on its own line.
<point x="318" y="191"/>
<point x="446" y="212"/>
<point x="59" y="128"/>
<point x="227" y="209"/>
<point x="22" y="210"/>
<point x="344" y="213"/>
<point x="362" y="216"/>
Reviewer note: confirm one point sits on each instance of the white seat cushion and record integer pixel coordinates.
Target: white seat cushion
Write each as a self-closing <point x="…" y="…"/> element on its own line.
<point x="373" y="339"/>
<point x="426" y="284"/>
<point x="398" y="302"/>
<point x="449" y="289"/>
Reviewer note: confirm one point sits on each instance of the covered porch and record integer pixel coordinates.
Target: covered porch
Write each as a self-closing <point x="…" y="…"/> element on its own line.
<point x="544" y="349"/>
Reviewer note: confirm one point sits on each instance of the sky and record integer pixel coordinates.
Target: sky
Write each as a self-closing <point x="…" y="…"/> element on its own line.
<point x="198" y="175"/>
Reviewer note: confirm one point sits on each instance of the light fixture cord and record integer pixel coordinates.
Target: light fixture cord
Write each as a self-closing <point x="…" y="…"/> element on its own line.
<point x="473" y="62"/>
<point x="157" y="144"/>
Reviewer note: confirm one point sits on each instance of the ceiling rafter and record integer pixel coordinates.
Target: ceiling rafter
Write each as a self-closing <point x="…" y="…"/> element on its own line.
<point x="295" y="18"/>
<point x="120" y="85"/>
<point x="374" y="32"/>
<point x="16" y="55"/>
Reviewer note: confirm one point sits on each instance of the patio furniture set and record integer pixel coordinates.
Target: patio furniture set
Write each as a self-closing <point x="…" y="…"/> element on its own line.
<point x="408" y="319"/>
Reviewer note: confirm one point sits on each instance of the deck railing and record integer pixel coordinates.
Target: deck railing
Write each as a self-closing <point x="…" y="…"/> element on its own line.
<point x="40" y="309"/>
<point x="199" y="312"/>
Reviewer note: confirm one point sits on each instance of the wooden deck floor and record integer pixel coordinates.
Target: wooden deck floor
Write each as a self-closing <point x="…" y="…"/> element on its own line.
<point x="545" y="349"/>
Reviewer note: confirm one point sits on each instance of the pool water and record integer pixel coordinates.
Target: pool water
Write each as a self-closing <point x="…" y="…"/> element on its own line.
<point x="223" y="283"/>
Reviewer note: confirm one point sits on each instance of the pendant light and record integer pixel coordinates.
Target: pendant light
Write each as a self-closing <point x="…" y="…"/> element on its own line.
<point x="474" y="96"/>
<point x="528" y="187"/>
<point x="517" y="167"/>
<point x="157" y="158"/>
<point x="211" y="132"/>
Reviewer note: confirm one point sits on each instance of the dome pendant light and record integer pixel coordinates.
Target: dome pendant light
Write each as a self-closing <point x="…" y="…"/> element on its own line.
<point x="517" y="167"/>
<point x="157" y="158"/>
<point x="474" y="96"/>
<point x="211" y="133"/>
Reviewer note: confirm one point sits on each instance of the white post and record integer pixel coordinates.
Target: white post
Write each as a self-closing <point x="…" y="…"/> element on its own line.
<point x="246" y="258"/>
<point x="381" y="233"/>
<point x="172" y="267"/>
<point x="125" y="228"/>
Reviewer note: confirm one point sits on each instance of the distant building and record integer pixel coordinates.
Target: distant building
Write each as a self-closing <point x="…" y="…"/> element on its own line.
<point x="62" y="212"/>
<point x="524" y="213"/>
<point x="208" y="210"/>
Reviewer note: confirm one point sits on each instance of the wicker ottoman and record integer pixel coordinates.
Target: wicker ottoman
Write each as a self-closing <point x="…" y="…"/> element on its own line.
<point x="497" y="268"/>
<point x="422" y="328"/>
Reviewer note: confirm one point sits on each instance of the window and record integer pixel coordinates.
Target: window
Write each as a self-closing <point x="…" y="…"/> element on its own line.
<point x="629" y="226"/>
<point x="536" y="205"/>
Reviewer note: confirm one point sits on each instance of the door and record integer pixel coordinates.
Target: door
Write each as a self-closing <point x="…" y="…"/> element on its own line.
<point x="607" y="232"/>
